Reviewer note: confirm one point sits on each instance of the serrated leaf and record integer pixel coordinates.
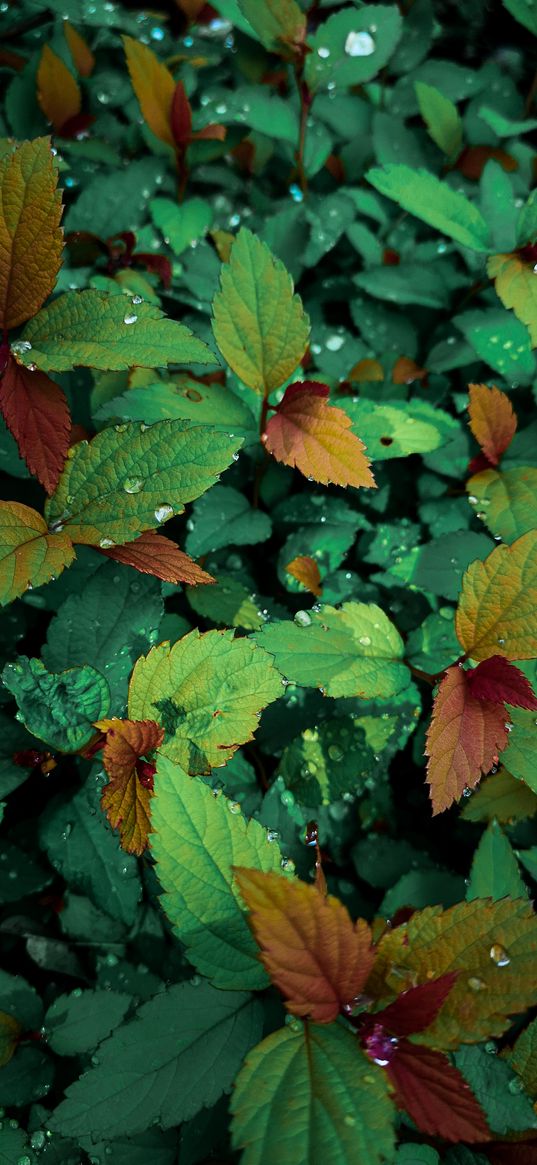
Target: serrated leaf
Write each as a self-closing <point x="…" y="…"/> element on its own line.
<point x="279" y="24"/>
<point x="332" y="760"/>
<point x="524" y="1057"/>
<point x="441" y="117"/>
<point x="491" y="944"/>
<point x="309" y="433"/>
<point x="154" y="87"/>
<point x="259" y="324"/>
<point x="58" y="92"/>
<point x="58" y="707"/>
<point x="353" y="651"/>
<point x="436" y="203"/>
<point x="224" y="517"/>
<point x="156" y="555"/>
<point x="29" y="554"/>
<point x="399" y="428"/>
<point x="197" y="839"/>
<point x="501" y="682"/>
<point x="515" y="283"/>
<point x="505" y="501"/>
<point x="497" y="1089"/>
<point x="228" y="603"/>
<point x="319" y="1075"/>
<point x="492" y="420"/>
<point x="317" y="957"/>
<point x="37" y="415"/>
<point x="185" y="1044"/>
<point x="502" y="797"/>
<point x="464" y="738"/>
<point x="207" y="691"/>
<point x="494" y="872"/>
<point x="126" y="798"/>
<point x="189" y="400"/>
<point x="109" y="332"/>
<point x="434" y="1095"/>
<point x="128" y="481"/>
<point x="353" y="46"/>
<point x="30" y="236"/>
<point x="76" y="1023"/>
<point x="497" y="611"/>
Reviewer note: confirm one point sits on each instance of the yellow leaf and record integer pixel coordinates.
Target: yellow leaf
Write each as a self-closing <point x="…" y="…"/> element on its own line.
<point x="311" y="434"/>
<point x="516" y="284"/>
<point x="83" y="58"/>
<point x="260" y="326"/>
<point x="306" y="571"/>
<point x="30" y="236"/>
<point x="154" y="87"/>
<point x="58" y="92"/>
<point x="29" y="555"/>
<point x="497" y="612"/>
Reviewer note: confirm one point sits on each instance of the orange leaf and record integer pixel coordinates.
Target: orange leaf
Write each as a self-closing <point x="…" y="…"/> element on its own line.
<point x="473" y="160"/>
<point x="126" y="799"/>
<point x="306" y="571"/>
<point x="406" y="371"/>
<point x="309" y="945"/>
<point x="152" y="553"/>
<point x="497" y="612"/>
<point x="191" y="8"/>
<point x="58" y="91"/>
<point x="37" y="414"/>
<point x="154" y="87"/>
<point x="366" y="370"/>
<point x="30" y="236"/>
<point x="314" y="436"/>
<point x="83" y="58"/>
<point x="492" y="420"/>
<point x="464" y="737"/>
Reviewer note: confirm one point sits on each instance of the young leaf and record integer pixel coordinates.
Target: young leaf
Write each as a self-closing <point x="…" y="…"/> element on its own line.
<point x="179" y="1053"/>
<point x="312" y="435"/>
<point x="514" y="280"/>
<point x="109" y="332"/>
<point x="505" y="501"/>
<point x="354" y="651"/>
<point x="126" y="798"/>
<point x="317" y="957"/>
<point x="463" y="739"/>
<point x="83" y="58"/>
<point x="414" y="1010"/>
<point x="154" y="87"/>
<point x="499" y="681"/>
<point x="58" y="707"/>
<point x="338" y="1100"/>
<point x="30" y="235"/>
<point x="196" y="841"/>
<point x="128" y="481"/>
<point x="259" y="325"/>
<point x="154" y="554"/>
<point x="491" y="944"/>
<point x="497" y="611"/>
<point x="279" y="24"/>
<point x="207" y="691"/>
<point x="29" y="554"/>
<point x="434" y="202"/>
<point x="37" y="415"/>
<point x="441" y="117"/>
<point x="435" y="1095"/>
<point x="306" y="571"/>
<point x="57" y="90"/>
<point x="494" y="871"/>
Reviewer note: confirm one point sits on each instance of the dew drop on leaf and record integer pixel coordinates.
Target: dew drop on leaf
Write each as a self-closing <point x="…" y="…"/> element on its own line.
<point x="499" y="955"/>
<point x="162" y="513"/>
<point x="359" y="44"/>
<point x="476" y="984"/>
<point x="302" y="619"/>
<point x="130" y="318"/>
<point x="133" y="485"/>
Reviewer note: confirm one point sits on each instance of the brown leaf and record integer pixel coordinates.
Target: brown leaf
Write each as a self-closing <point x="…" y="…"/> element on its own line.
<point x="126" y="799"/>
<point x="311" y="434"/>
<point x="492" y="420"/>
<point x="155" y="554"/>
<point x="306" y="571"/>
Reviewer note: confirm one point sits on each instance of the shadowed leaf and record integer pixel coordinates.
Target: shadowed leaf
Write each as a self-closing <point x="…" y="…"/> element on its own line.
<point x="37" y="414"/>
<point x="30" y="235"/>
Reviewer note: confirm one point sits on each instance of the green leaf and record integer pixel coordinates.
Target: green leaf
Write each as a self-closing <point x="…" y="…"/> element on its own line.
<point x="400" y="428"/>
<point x="494" y="868"/>
<point x="182" y="224"/>
<point x="524" y="1058"/>
<point x="81" y="846"/>
<point x="228" y="603"/>
<point x="525" y="11"/>
<point x="20" y="874"/>
<point x="188" y="400"/>
<point x="505" y="501"/>
<point x="416" y="1155"/>
<point x="224" y="517"/>
<point x="438" y="566"/>
<point x="278" y="23"/>
<point x="354" y="651"/>
<point x="207" y="691"/>
<point x="497" y="1089"/>
<point x="434" y="645"/>
<point x="59" y="708"/>
<point x="501" y="340"/>
<point x="407" y="283"/>
<point x="20" y="1000"/>
<point x="77" y="1022"/>
<point x="441" y="117"/>
<point x="28" y="1076"/>
<point x="526" y="226"/>
<point x="259" y="325"/>
<point x="14" y="1145"/>
<point x="197" y="839"/>
<point x="101" y="202"/>
<point x="353" y="46"/>
<point x="326" y="762"/>
<point x="106" y="331"/>
<point x="341" y="1110"/>
<point x="514" y="280"/>
<point x="180" y="1053"/>
<point x="109" y="622"/>
<point x="434" y="202"/>
<point x="131" y="478"/>
<point x="498" y="205"/>
<point x="506" y="127"/>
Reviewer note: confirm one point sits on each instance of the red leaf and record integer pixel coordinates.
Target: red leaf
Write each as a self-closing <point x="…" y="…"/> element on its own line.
<point x="435" y="1095"/>
<point x="525" y="1154"/>
<point x="414" y="1010"/>
<point x="492" y="420"/>
<point x="158" y="264"/>
<point x="155" y="554"/>
<point x="210" y="133"/>
<point x="37" y="414"/>
<point x="309" y="433"/>
<point x="499" y="681"/>
<point x="181" y="116"/>
<point x="473" y="160"/>
<point x="464" y="737"/>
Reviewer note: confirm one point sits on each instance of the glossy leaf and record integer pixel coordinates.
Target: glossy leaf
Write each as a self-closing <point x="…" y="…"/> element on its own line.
<point x="352" y="46"/>
<point x="494" y="872"/>
<point x="424" y="195"/>
<point x="505" y="501"/>
<point x="435" y="1095"/>
<point x="29" y="554"/>
<point x="30" y="235"/>
<point x="309" y="433"/>
<point x="497" y="611"/>
<point x="499" y="681"/>
<point x="37" y="415"/>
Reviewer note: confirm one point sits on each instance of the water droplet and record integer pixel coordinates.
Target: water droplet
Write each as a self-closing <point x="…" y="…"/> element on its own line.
<point x="234" y="807"/>
<point x="37" y="1139"/>
<point x="137" y="299"/>
<point x="302" y="619"/>
<point x="133" y="485"/>
<point x="364" y="640"/>
<point x="20" y="347"/>
<point x="359" y="44"/>
<point x="335" y="752"/>
<point x="105" y="543"/>
<point x="162" y="513"/>
<point x="296" y="193"/>
<point x="515" y="1085"/>
<point x="501" y="641"/>
<point x="349" y="1120"/>
<point x="323" y="53"/>
<point x="120" y="428"/>
<point x="287" y="865"/>
<point x="476" y="984"/>
<point x="334" y="343"/>
<point x="130" y="318"/>
<point x="272" y="835"/>
<point x="499" y="955"/>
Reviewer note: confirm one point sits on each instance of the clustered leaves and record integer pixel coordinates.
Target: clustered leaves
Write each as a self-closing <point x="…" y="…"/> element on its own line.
<point x="267" y="279"/>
